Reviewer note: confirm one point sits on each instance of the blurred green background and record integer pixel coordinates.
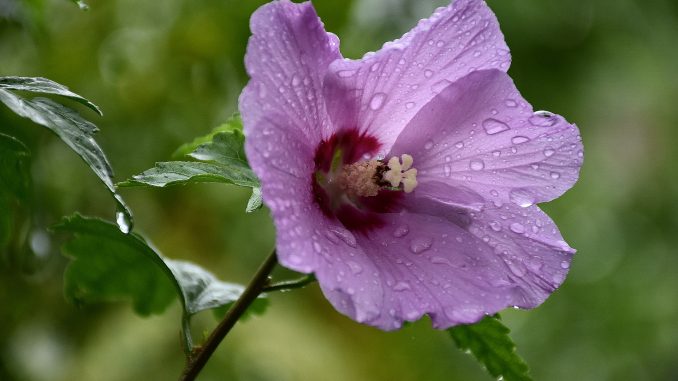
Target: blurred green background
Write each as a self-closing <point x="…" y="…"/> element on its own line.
<point x="166" y="71"/>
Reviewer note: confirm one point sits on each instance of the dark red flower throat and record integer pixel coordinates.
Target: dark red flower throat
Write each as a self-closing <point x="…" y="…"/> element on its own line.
<point x="356" y="213"/>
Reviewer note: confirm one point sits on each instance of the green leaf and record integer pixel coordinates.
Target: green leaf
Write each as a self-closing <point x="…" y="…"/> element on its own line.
<point x="189" y="172"/>
<point x="77" y="133"/>
<point x="14" y="171"/>
<point x="255" y="202"/>
<point x="226" y="148"/>
<point x="489" y="341"/>
<point x="45" y="86"/>
<point x="108" y="265"/>
<point x="234" y="123"/>
<point x="221" y="159"/>
<point x="15" y="184"/>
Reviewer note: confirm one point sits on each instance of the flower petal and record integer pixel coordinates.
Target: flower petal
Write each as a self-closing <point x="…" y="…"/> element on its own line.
<point x="480" y="133"/>
<point x="283" y="161"/>
<point x="287" y="57"/>
<point x="382" y="91"/>
<point x="429" y="265"/>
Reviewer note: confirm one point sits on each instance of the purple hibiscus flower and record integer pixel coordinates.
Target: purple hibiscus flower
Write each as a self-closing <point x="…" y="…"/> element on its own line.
<point x="407" y="180"/>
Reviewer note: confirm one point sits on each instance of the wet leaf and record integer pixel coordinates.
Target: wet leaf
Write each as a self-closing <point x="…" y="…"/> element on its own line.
<point x="73" y="130"/>
<point x="108" y="265"/>
<point x="489" y="342"/>
<point x="189" y="172"/>
<point x="45" y="86"/>
<point x="234" y="123"/>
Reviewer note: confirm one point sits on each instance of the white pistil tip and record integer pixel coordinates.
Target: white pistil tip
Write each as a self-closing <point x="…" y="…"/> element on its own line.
<point x="401" y="173"/>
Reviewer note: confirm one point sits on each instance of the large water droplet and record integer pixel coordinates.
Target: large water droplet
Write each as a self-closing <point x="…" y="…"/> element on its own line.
<point x="355" y="267"/>
<point x="401" y="286"/>
<point x="409" y="105"/>
<point x="377" y="101"/>
<point x="510" y="103"/>
<point x="401" y="231"/>
<point x="519" y="139"/>
<point x="419" y="245"/>
<point x="440" y="261"/>
<point x="346" y="73"/>
<point x="447" y="169"/>
<point x="493" y="126"/>
<point x="565" y="264"/>
<point x="548" y="152"/>
<point x="344" y="235"/>
<point x="476" y="165"/>
<point x="521" y="197"/>
<point x="428" y="73"/>
<point x="516" y="268"/>
<point x="496" y="226"/>
<point x="124" y="221"/>
<point x="534" y="263"/>
<point x="459" y="144"/>
<point x="296" y="81"/>
<point x="543" y="119"/>
<point x="440" y="86"/>
<point x="262" y="90"/>
<point x="517" y="227"/>
<point x="555" y="175"/>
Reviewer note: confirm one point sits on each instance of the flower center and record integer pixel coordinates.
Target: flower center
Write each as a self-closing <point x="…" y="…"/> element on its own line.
<point x="354" y="188"/>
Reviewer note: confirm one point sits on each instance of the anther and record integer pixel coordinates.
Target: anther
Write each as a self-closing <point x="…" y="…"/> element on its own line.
<point x="401" y="173"/>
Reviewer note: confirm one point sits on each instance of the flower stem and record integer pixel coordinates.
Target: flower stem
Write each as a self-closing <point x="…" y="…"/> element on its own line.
<point x="290" y="284"/>
<point x="200" y="356"/>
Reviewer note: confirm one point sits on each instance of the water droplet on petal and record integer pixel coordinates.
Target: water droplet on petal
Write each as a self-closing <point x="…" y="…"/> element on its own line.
<point x="317" y="247"/>
<point x="565" y="264"/>
<point x="521" y="197"/>
<point x="409" y="105"/>
<point x="476" y="165"/>
<point x="355" y="267"/>
<point x="377" y="101"/>
<point x="296" y="81"/>
<point x="440" y="86"/>
<point x="516" y="268"/>
<point x="543" y="119"/>
<point x="401" y="286"/>
<point x="555" y="175"/>
<point x="346" y="236"/>
<point x="428" y="73"/>
<point x="419" y="245"/>
<point x="519" y="139"/>
<point x="346" y="73"/>
<point x="548" y="152"/>
<point x="262" y="90"/>
<point x="401" y="231"/>
<point x="534" y="263"/>
<point x="459" y="144"/>
<point x="517" y="227"/>
<point x="493" y="126"/>
<point x="496" y="226"/>
<point x="510" y="103"/>
<point x="447" y="169"/>
<point x="428" y="145"/>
